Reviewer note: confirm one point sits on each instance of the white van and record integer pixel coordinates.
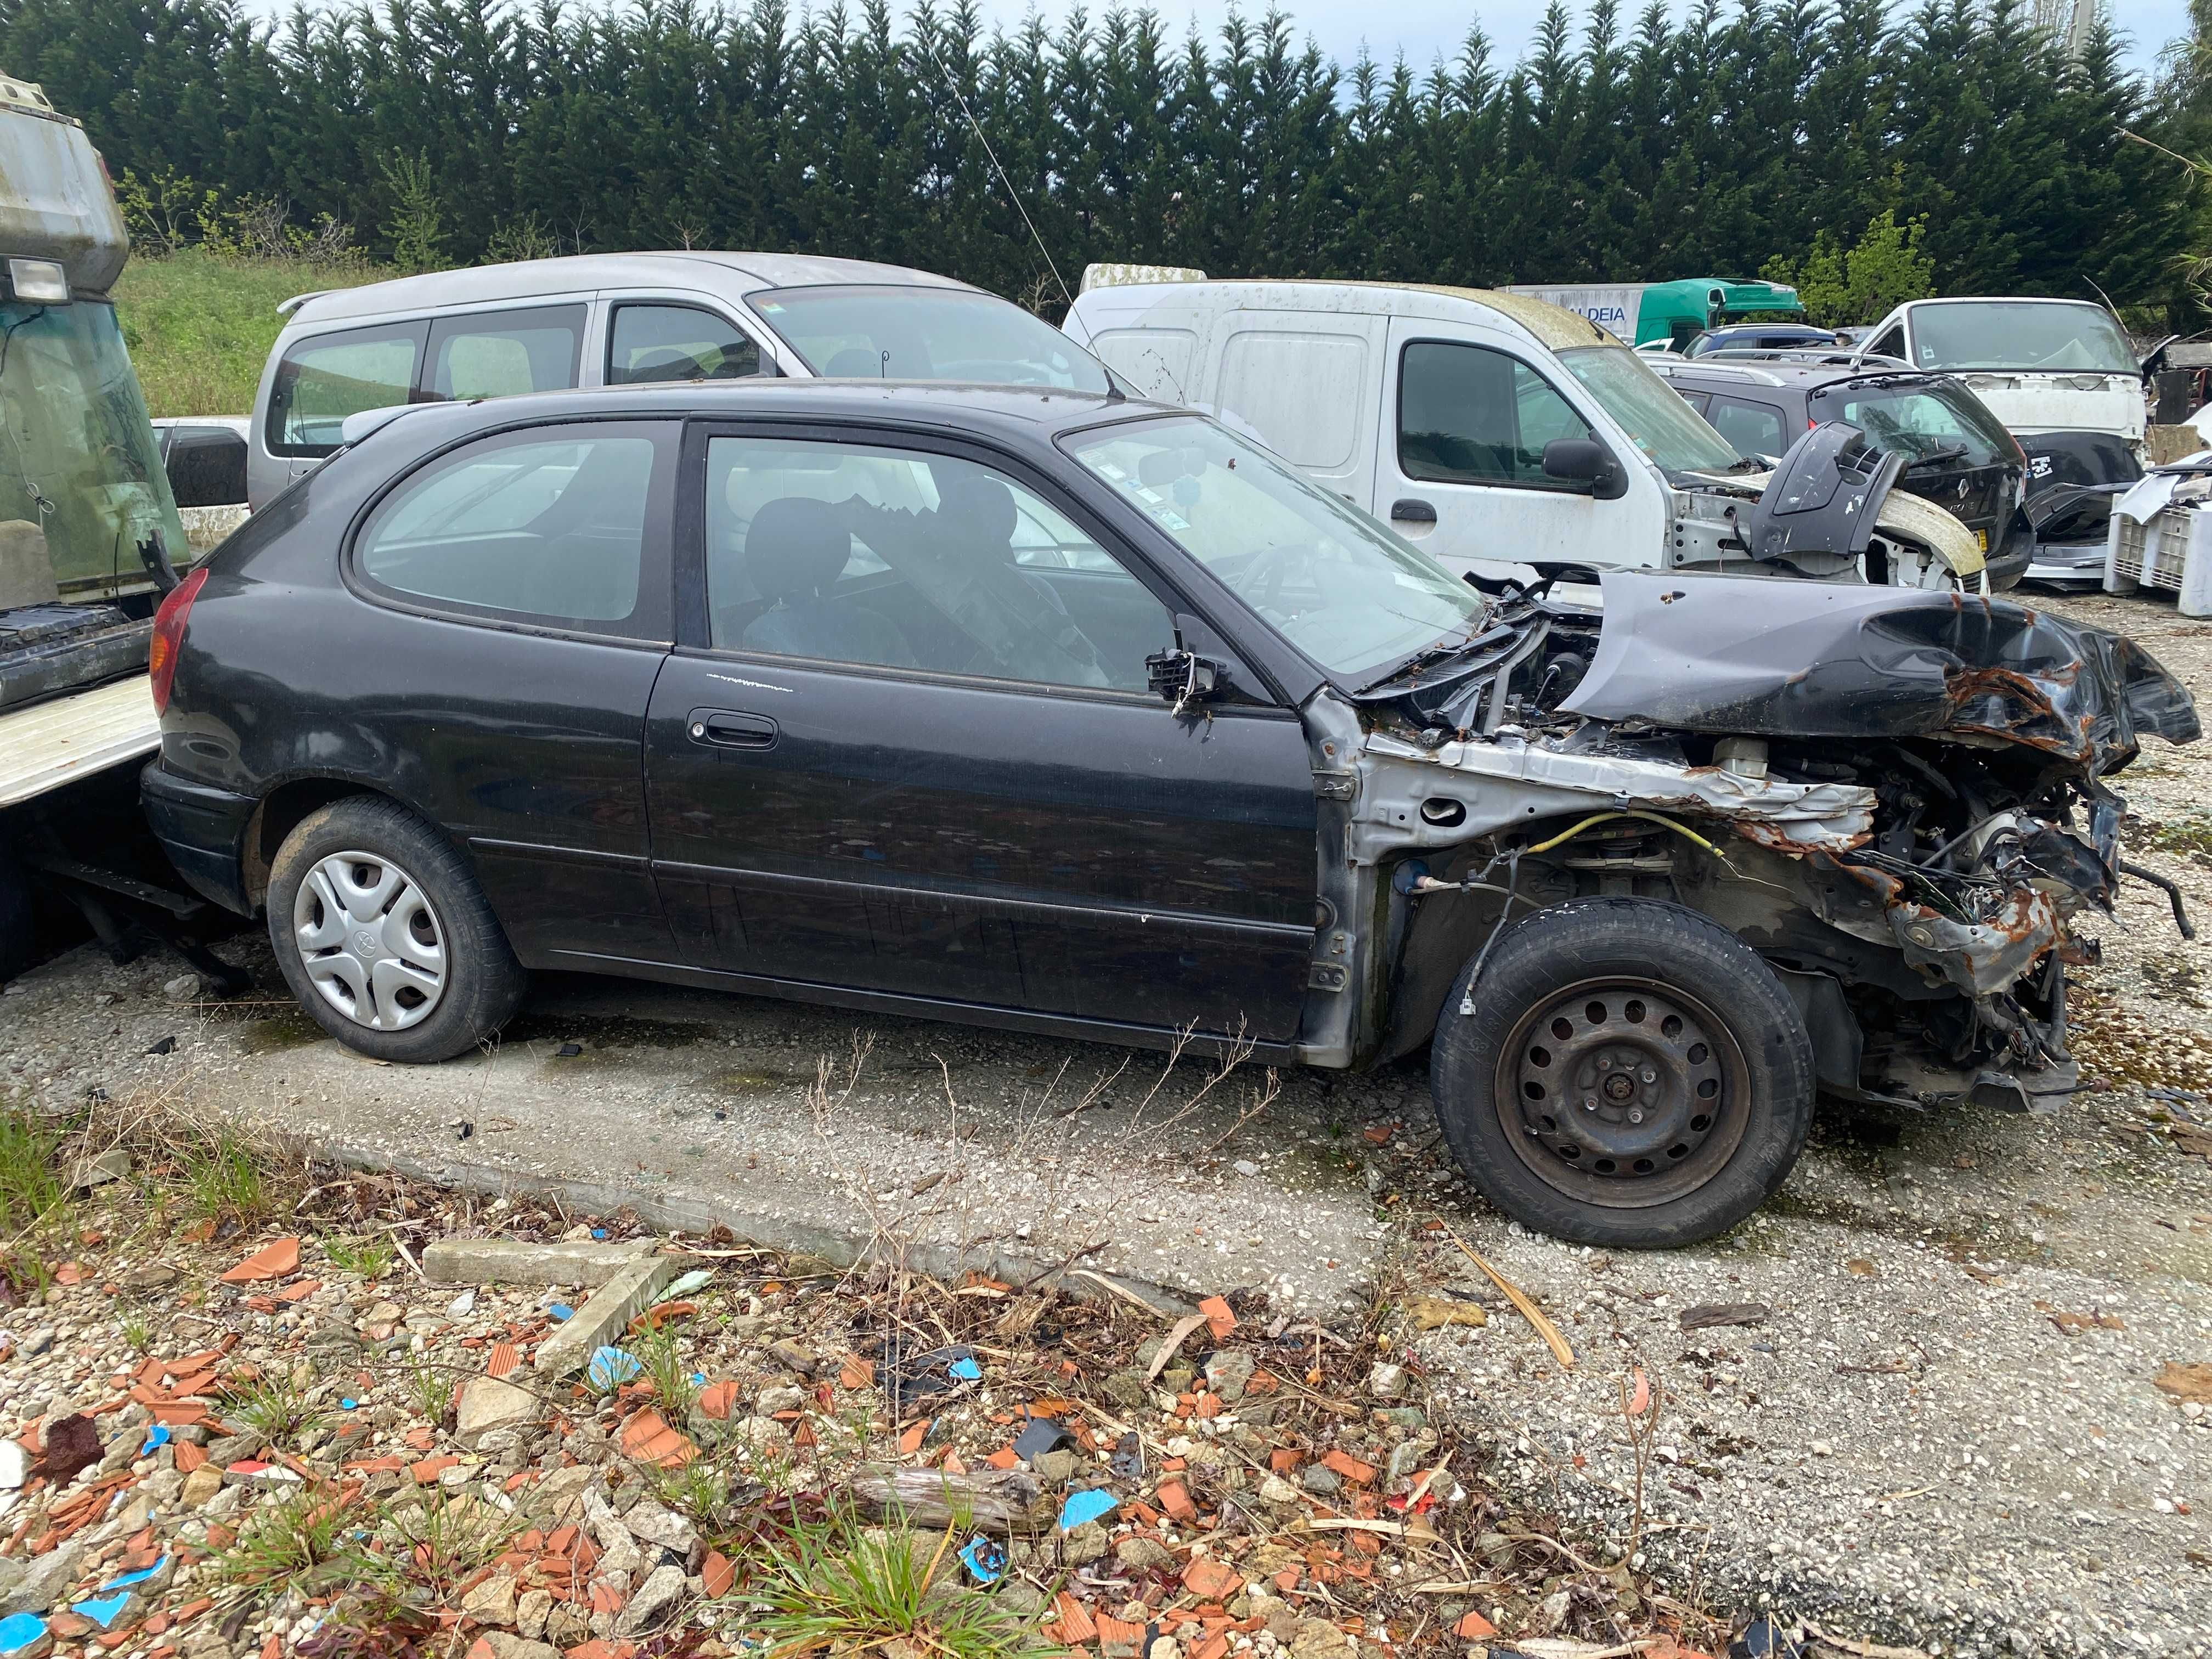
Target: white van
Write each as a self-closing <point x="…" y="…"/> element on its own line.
<point x="2042" y="366"/>
<point x="617" y="318"/>
<point x="1500" y="432"/>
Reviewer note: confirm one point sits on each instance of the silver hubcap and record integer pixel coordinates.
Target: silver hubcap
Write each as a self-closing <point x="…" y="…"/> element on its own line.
<point x="370" y="941"/>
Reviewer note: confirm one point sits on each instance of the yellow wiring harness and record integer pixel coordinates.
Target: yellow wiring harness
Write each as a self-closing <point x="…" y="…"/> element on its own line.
<point x="1660" y="819"/>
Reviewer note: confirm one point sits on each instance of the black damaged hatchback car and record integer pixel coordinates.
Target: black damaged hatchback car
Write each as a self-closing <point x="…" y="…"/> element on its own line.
<point x="1061" y="712"/>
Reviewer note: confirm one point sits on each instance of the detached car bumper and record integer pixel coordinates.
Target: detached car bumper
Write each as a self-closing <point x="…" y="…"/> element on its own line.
<point x="202" y="830"/>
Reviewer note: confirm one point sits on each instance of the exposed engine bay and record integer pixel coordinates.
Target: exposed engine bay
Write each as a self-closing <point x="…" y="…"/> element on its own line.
<point x="1900" y="798"/>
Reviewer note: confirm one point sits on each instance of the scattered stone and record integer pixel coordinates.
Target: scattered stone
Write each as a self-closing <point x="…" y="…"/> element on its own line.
<point x="517" y="1261"/>
<point x="1386" y="1381"/>
<point x="1138" y="1553"/>
<point x="186" y="988"/>
<point x="602" y="1318"/>
<point x="507" y="1646"/>
<point x="492" y="1603"/>
<point x="111" y="1165"/>
<point x="487" y="1406"/>
<point x="1229" y="1373"/>
<point x="663" y="1588"/>
<point x="48" y="1579"/>
<point x="1321" y="1480"/>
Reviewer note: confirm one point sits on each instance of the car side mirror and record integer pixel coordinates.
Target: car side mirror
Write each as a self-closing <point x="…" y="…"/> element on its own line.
<point x="1587" y="462"/>
<point x="1180" y="677"/>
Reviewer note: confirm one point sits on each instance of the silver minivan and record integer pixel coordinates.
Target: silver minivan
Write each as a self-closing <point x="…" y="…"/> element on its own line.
<point x="621" y="318"/>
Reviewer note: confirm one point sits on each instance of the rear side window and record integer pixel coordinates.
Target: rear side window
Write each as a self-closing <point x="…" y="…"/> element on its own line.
<point x="1469" y="414"/>
<point x="1753" y="429"/>
<point x="562" y="526"/>
<point x="206" y="466"/>
<point x="326" y="377"/>
<point x="1697" y="400"/>
<point x="500" y="354"/>
<point x="649" y="343"/>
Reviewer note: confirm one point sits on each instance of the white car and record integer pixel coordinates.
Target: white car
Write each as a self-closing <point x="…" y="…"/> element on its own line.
<point x="205" y="456"/>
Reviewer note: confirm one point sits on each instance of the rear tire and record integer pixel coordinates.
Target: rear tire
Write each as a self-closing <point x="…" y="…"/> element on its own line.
<point x="385" y="936"/>
<point x="1633" y="1075"/>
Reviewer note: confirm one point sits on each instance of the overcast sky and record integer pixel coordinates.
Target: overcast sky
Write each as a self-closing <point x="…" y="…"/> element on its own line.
<point x="1422" y="29"/>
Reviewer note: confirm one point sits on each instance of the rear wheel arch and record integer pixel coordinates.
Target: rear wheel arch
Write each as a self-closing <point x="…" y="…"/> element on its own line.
<point x="284" y="808"/>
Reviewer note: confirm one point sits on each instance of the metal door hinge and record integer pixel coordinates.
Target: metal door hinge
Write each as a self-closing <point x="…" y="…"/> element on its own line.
<point x="1336" y="786"/>
<point x="1328" y="976"/>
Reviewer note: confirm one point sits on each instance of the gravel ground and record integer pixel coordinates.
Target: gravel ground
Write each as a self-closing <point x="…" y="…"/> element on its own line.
<point x="1943" y="1431"/>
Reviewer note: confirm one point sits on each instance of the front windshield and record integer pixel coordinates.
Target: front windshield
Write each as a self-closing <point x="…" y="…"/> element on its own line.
<point x="2057" y="338"/>
<point x="1653" y="414"/>
<point x="925" y="334"/>
<point x="1918" y="421"/>
<point x="80" y="480"/>
<point x="1336" y="584"/>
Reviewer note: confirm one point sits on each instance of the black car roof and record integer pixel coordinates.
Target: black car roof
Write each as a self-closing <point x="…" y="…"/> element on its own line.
<point x="1023" y="415"/>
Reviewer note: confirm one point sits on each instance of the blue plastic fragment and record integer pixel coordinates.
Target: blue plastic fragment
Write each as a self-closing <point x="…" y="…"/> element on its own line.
<point x="157" y="1436"/>
<point x="104" y="1611"/>
<point x="611" y="1367"/>
<point x="19" y="1630"/>
<point x="130" y="1578"/>
<point x="698" y="1379"/>
<point x="598" y="1232"/>
<point x="560" y="1310"/>
<point x="1087" y="1505"/>
<point x="349" y="1405"/>
<point x="985" y="1557"/>
<point x="964" y="1370"/>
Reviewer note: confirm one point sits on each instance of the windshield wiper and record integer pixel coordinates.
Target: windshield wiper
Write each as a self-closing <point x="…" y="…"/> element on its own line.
<point x="1936" y="457"/>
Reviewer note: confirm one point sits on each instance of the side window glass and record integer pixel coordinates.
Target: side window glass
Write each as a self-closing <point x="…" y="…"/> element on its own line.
<point x="1891" y="345"/>
<point x="326" y="378"/>
<point x="501" y="353"/>
<point x="893" y="558"/>
<point x="1469" y="414"/>
<point x="676" y="343"/>
<point x="547" y="524"/>
<point x="1699" y="401"/>
<point x="206" y="466"/>
<point x="1753" y="429"/>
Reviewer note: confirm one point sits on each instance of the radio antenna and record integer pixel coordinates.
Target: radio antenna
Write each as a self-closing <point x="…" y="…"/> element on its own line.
<point x="1012" y="195"/>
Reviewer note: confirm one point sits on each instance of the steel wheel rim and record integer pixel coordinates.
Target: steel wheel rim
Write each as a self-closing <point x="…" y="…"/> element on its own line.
<point x="1623" y="1092"/>
<point x="370" y="940"/>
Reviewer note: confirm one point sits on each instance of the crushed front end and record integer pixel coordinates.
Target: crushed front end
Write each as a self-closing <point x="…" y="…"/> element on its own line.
<point x="1899" y="799"/>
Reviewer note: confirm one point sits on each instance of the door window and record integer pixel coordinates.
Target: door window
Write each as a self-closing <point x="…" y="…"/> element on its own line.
<point x="851" y="553"/>
<point x="1891" y="345"/>
<point x="676" y="343"/>
<point x="1469" y="414"/>
<point x="326" y="378"/>
<point x="206" y="466"/>
<point x="1699" y="401"/>
<point x="1753" y="429"/>
<point x="551" y="525"/>
<point x="501" y="353"/>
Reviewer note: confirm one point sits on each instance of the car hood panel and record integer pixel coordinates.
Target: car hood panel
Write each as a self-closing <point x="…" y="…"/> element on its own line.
<point x="1726" y="654"/>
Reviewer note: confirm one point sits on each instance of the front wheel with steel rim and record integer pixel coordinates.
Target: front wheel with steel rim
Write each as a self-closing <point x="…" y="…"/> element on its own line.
<point x="383" y="935"/>
<point x="1632" y="1075"/>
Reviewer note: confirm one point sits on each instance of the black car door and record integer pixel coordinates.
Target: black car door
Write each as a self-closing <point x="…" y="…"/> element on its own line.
<point x="519" y="609"/>
<point x="911" y="752"/>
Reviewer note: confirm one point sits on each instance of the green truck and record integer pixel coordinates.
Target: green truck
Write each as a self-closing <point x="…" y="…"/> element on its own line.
<point x="1668" y="313"/>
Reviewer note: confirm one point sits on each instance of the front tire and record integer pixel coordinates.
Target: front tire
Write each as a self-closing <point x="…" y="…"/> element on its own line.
<point x="385" y="936"/>
<point x="1633" y="1075"/>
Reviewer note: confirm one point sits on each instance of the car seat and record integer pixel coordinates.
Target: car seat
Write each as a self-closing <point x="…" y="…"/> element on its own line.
<point x="796" y="549"/>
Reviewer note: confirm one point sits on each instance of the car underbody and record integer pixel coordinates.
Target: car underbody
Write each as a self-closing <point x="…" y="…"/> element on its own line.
<point x="1898" y="798"/>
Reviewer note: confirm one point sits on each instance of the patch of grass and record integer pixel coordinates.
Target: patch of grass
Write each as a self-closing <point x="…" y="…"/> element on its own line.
<point x="437" y="1547"/>
<point x="275" y="1407"/>
<point x="31" y="1191"/>
<point x="428" y="1389"/>
<point x="199" y="324"/>
<point x="304" y="1543"/>
<point x="662" y="1356"/>
<point x="137" y="1331"/>
<point x="224" y="1180"/>
<point x="834" y="1586"/>
<point x="699" y="1491"/>
<point x="370" y="1258"/>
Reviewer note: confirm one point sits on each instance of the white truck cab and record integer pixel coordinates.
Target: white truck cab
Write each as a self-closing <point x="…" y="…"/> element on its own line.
<point x="1493" y="430"/>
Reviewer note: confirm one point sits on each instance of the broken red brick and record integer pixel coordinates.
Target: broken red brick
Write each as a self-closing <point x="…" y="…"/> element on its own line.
<point x="430" y="1469"/>
<point x="272" y="1260"/>
<point x="1473" y="1627"/>
<point x="1211" y="1581"/>
<point x="1003" y="1458"/>
<point x="1218" y="1319"/>
<point x="855" y="1372"/>
<point x="719" y="1399"/>
<point x="505" y="1357"/>
<point x="909" y="1442"/>
<point x="1176" y="1500"/>
<point x="1075" y="1621"/>
<point x="717" y="1575"/>
<point x="1350" y="1468"/>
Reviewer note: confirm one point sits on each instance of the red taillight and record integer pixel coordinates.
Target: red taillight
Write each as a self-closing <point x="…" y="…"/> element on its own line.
<point x="169" y="637"/>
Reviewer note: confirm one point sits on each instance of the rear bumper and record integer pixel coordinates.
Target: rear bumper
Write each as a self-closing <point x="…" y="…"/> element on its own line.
<point x="202" y="830"/>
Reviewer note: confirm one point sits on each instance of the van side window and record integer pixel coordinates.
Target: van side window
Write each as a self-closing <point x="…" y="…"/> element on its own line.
<point x="650" y="343"/>
<point x="326" y="377"/>
<point x="206" y="466"/>
<point x="1469" y="414"/>
<point x="1891" y="345"/>
<point x="500" y="353"/>
<point x="551" y="525"/>
<point x="1753" y="429"/>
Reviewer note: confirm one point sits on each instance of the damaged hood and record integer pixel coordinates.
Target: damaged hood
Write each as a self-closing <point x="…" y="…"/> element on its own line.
<point x="1734" y="655"/>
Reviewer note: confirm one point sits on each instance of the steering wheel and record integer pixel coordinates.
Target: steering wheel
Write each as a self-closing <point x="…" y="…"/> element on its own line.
<point x="1271" y="569"/>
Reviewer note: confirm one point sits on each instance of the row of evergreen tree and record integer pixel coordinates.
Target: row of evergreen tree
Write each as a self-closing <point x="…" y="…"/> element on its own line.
<point x="1615" y="148"/>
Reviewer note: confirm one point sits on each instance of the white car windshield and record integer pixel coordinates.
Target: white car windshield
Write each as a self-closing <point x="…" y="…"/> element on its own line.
<point x="1344" y="590"/>
<point x="1650" y="412"/>
<point x="925" y="334"/>
<point x="2020" y="334"/>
